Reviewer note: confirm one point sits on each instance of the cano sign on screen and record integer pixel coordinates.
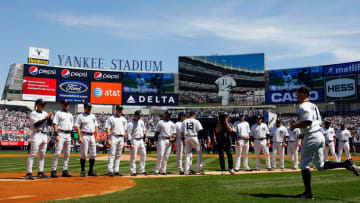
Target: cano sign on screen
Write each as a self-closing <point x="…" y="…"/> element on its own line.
<point x="39" y="88"/>
<point x="290" y="97"/>
<point x="73" y="91"/>
<point x="340" y="88"/>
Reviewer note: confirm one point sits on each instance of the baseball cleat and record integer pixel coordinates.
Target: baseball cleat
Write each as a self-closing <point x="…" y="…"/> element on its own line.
<point x="143" y="173"/>
<point x="306" y="195"/>
<point x="349" y="164"/>
<point x="269" y="169"/>
<point x="111" y="174"/>
<point x="82" y="174"/>
<point x="133" y="174"/>
<point x="163" y="173"/>
<point x="29" y="176"/>
<point x="236" y="170"/>
<point x="231" y="171"/>
<point x="181" y="173"/>
<point x="249" y="169"/>
<point x="156" y="173"/>
<point x="42" y="175"/>
<point x="118" y="174"/>
<point x="282" y="169"/>
<point x="257" y="169"/>
<point x="92" y="173"/>
<point x="192" y="172"/>
<point x="223" y="172"/>
<point x="54" y="174"/>
<point x="66" y="174"/>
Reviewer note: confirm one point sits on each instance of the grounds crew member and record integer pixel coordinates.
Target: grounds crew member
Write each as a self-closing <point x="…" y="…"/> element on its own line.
<point x="343" y="135"/>
<point x="165" y="134"/>
<point x="260" y="134"/>
<point x="39" y="120"/>
<point x="190" y="130"/>
<point x="330" y="141"/>
<point x="224" y="140"/>
<point x="116" y="126"/>
<point x="136" y="132"/>
<point x="63" y="125"/>
<point x="86" y="125"/>
<point x="279" y="138"/>
<point x="241" y="129"/>
<point x="293" y="145"/>
<point x="312" y="149"/>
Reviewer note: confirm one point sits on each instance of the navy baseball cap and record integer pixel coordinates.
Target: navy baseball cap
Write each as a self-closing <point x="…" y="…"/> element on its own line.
<point x="278" y="120"/>
<point x="258" y="117"/>
<point x="87" y="105"/>
<point x="191" y="113"/>
<point x="168" y="113"/>
<point x="293" y="121"/>
<point x="40" y="102"/>
<point x="64" y="102"/>
<point x="137" y="113"/>
<point x="327" y="122"/>
<point x="119" y="107"/>
<point x="304" y="90"/>
<point x="181" y="114"/>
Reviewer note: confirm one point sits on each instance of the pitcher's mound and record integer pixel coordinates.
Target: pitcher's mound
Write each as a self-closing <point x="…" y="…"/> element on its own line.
<point x="17" y="189"/>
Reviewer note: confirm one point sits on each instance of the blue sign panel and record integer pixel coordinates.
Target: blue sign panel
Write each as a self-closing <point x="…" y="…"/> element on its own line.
<point x="342" y="69"/>
<point x="288" y="97"/>
<point x="73" y="91"/>
<point x="41" y="71"/>
<point x="150" y="99"/>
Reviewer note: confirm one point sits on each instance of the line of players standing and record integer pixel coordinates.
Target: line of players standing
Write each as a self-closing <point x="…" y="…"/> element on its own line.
<point x="184" y="134"/>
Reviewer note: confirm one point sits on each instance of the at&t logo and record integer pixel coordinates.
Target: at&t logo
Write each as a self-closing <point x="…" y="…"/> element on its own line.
<point x="97" y="92"/>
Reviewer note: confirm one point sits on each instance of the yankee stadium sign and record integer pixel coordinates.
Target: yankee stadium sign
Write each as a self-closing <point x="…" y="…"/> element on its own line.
<point x="114" y="64"/>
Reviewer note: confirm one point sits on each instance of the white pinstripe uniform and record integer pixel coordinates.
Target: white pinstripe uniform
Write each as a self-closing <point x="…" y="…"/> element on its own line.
<point x="344" y="137"/>
<point x="87" y="123"/>
<point x="293" y="146"/>
<point x="179" y="146"/>
<point x="225" y="83"/>
<point x="330" y="145"/>
<point x="278" y="137"/>
<point x="166" y="129"/>
<point x="259" y="132"/>
<point x="135" y="132"/>
<point x="242" y="131"/>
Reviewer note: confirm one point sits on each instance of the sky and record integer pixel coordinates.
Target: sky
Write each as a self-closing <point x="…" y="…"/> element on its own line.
<point x="291" y="33"/>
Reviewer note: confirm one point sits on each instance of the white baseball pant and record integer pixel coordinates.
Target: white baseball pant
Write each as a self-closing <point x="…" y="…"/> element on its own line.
<point x="312" y="150"/>
<point x="343" y="146"/>
<point x="179" y="153"/>
<point x="38" y="145"/>
<point x="64" y="145"/>
<point x="225" y="96"/>
<point x="139" y="145"/>
<point x="88" y="145"/>
<point x="163" y="148"/>
<point x="331" y="148"/>
<point x="292" y="150"/>
<point x="278" y="147"/>
<point x="243" y="148"/>
<point x="261" y="146"/>
<point x="190" y="143"/>
<point x="117" y="145"/>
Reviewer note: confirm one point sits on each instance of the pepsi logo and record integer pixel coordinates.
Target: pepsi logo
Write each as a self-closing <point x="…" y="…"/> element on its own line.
<point x="97" y="75"/>
<point x="33" y="70"/>
<point x="65" y="73"/>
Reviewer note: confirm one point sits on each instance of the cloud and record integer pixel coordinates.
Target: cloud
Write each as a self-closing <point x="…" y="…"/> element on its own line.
<point x="297" y="38"/>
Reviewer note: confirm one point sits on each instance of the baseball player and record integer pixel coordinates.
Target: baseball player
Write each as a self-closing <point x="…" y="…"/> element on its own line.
<point x="165" y="134"/>
<point x="330" y="141"/>
<point x="279" y="137"/>
<point x="190" y="130"/>
<point x="63" y="125"/>
<point x="224" y="85"/>
<point x="293" y="145"/>
<point x="312" y="149"/>
<point x="136" y="134"/>
<point x="343" y="135"/>
<point x="140" y="83"/>
<point x="39" y="119"/>
<point x="116" y="126"/>
<point x="287" y="78"/>
<point x="86" y="125"/>
<point x="179" y="143"/>
<point x="241" y="129"/>
<point x="259" y="133"/>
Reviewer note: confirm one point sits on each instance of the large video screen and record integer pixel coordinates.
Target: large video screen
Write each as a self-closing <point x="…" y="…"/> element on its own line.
<point x="155" y="83"/>
<point x="222" y="80"/>
<point x="293" y="79"/>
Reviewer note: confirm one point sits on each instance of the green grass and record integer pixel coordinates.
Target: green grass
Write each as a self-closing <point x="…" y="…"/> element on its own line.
<point x="328" y="186"/>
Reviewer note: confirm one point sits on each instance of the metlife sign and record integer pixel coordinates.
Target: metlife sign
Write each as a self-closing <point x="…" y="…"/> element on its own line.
<point x="342" y="69"/>
<point x="341" y="88"/>
<point x="150" y="99"/>
<point x="289" y="97"/>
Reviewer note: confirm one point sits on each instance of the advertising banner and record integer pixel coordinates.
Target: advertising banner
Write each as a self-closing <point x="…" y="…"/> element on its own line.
<point x="150" y="99"/>
<point x="287" y="97"/>
<point x="39" y="88"/>
<point x="292" y="79"/>
<point x="39" y="53"/>
<point x="40" y="71"/>
<point x="341" y="88"/>
<point x="73" y="91"/>
<point x="106" y="93"/>
<point x="7" y="143"/>
<point x="342" y="69"/>
<point x="106" y="76"/>
<point x="155" y="83"/>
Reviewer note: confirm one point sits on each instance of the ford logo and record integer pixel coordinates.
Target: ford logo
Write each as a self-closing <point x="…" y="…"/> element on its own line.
<point x="73" y="87"/>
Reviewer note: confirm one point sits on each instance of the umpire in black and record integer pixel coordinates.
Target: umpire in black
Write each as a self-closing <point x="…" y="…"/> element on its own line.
<point x="224" y="139"/>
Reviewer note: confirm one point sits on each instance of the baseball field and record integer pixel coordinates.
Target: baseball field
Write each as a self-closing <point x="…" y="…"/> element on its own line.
<point x="263" y="186"/>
